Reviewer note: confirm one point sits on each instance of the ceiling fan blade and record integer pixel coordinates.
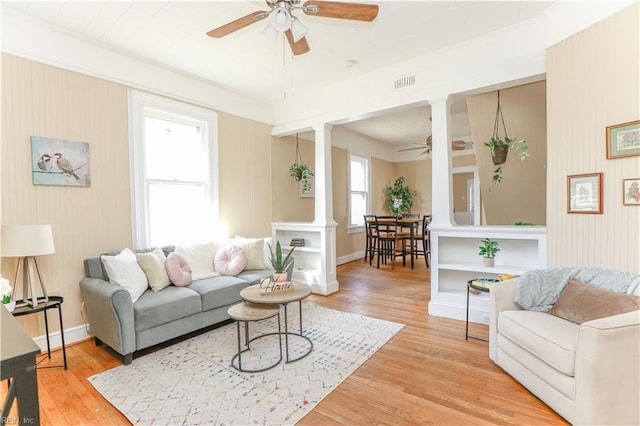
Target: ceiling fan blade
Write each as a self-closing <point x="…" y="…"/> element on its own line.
<point x="297" y="47"/>
<point x="411" y="149"/>
<point x="332" y="9"/>
<point x="238" y="24"/>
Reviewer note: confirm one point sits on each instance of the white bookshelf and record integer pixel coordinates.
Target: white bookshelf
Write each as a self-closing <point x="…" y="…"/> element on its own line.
<point x="455" y="260"/>
<point x="315" y="262"/>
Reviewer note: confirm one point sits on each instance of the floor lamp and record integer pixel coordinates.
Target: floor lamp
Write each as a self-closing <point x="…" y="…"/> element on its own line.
<point x="26" y="242"/>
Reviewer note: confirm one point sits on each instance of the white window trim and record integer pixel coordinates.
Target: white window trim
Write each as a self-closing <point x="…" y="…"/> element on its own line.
<point x="140" y="102"/>
<point x="355" y="229"/>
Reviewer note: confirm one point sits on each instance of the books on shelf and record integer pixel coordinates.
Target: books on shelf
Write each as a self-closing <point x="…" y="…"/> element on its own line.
<point x="297" y="242"/>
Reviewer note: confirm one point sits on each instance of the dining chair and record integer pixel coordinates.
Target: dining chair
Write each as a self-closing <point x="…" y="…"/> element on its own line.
<point x="371" y="235"/>
<point x="387" y="240"/>
<point x="426" y="238"/>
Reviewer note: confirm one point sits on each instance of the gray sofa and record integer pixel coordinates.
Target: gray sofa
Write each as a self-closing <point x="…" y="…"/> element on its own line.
<point x="157" y="317"/>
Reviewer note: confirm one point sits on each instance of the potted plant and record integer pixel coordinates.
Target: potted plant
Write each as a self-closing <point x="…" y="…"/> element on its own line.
<point x="5" y="293"/>
<point x="279" y="265"/>
<point x="500" y="148"/>
<point x="303" y="174"/>
<point x="399" y="197"/>
<point x="488" y="249"/>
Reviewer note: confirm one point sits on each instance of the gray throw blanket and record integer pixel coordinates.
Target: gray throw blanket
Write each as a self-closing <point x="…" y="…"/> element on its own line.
<point x="539" y="290"/>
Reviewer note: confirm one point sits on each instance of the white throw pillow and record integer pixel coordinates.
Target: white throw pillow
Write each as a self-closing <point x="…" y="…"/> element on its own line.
<point x="123" y="270"/>
<point x="266" y="251"/>
<point x="153" y="265"/>
<point x="253" y="249"/>
<point x="200" y="259"/>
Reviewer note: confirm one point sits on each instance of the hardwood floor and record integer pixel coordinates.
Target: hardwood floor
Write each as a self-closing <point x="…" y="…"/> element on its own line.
<point x="427" y="374"/>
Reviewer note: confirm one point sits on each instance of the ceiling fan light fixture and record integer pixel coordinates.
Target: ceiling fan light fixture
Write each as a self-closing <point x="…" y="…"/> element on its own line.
<point x="298" y="29"/>
<point x="280" y="19"/>
<point x="269" y="32"/>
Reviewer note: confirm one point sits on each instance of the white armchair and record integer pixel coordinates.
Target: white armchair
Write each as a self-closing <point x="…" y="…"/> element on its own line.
<point x="588" y="373"/>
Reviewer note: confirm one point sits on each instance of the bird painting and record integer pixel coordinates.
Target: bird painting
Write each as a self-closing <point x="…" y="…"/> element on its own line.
<point x="45" y="164"/>
<point x="64" y="165"/>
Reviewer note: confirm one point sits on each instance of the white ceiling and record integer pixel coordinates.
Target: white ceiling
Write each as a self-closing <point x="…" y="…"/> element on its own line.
<point x="173" y="34"/>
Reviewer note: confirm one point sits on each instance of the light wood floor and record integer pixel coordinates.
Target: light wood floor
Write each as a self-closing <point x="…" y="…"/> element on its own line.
<point x="426" y="374"/>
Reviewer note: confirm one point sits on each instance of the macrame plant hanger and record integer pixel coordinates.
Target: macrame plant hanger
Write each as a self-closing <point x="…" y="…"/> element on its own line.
<point x="298" y="159"/>
<point x="499" y="153"/>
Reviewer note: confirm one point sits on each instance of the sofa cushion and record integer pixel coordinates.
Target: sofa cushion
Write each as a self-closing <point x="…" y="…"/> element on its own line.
<point x="580" y="302"/>
<point x="153" y="265"/>
<point x="200" y="258"/>
<point x="230" y="260"/>
<point x="218" y="291"/>
<point x="123" y="269"/>
<point x="549" y="338"/>
<point x="170" y="304"/>
<point x="254" y="276"/>
<point x="178" y="270"/>
<point x="254" y="249"/>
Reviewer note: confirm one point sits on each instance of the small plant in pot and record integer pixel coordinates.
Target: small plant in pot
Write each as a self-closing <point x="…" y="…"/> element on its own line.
<point x="500" y="148"/>
<point x="303" y="174"/>
<point x="5" y="293"/>
<point x="488" y="249"/>
<point x="279" y="264"/>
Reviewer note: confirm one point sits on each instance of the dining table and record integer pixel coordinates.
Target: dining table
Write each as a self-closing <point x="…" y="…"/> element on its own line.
<point x="405" y="222"/>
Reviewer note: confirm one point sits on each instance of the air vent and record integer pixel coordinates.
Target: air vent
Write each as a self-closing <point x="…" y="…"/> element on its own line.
<point x="404" y="82"/>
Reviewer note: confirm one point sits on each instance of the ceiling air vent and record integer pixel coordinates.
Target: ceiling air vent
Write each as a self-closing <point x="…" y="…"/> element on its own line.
<point x="404" y="82"/>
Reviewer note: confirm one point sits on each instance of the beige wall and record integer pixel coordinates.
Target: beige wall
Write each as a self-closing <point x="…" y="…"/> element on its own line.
<point x="288" y="206"/>
<point x="460" y="202"/>
<point x="47" y="101"/>
<point x="40" y="100"/>
<point x="382" y="174"/>
<point x="521" y="195"/>
<point x="417" y="176"/>
<point x="592" y="82"/>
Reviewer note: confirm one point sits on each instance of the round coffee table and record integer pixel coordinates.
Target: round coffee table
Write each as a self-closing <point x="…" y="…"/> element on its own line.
<point x="297" y="293"/>
<point x="247" y="312"/>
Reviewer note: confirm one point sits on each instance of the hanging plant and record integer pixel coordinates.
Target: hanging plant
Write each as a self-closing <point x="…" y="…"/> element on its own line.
<point x="399" y="197"/>
<point x="500" y="147"/>
<point x="299" y="171"/>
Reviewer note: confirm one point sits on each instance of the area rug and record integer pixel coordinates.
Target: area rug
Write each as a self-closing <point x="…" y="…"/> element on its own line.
<point x="192" y="382"/>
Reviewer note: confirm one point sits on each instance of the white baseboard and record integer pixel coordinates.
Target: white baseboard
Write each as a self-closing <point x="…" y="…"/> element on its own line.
<point x="71" y="335"/>
<point x="350" y="257"/>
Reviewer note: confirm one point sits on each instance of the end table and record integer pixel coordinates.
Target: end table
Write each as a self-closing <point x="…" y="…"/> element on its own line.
<point x="43" y="306"/>
<point x="478" y="284"/>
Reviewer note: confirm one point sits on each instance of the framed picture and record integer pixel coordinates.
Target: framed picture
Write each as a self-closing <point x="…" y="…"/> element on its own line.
<point x="309" y="191"/>
<point x="631" y="192"/>
<point x="623" y="140"/>
<point x="59" y="162"/>
<point x="584" y="193"/>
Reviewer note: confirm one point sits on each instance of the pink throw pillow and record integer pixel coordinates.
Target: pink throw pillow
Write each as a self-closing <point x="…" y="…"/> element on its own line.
<point x="178" y="270"/>
<point x="230" y="260"/>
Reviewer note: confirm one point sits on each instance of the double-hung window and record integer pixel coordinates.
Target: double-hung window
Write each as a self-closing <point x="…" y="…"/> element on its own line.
<point x="174" y="171"/>
<point x="358" y="190"/>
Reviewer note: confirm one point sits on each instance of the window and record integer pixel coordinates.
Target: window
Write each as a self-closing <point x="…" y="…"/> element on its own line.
<point x="174" y="152"/>
<point x="358" y="190"/>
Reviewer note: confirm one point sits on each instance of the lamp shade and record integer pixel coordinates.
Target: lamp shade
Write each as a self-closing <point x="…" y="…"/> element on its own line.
<point x="298" y="29"/>
<point x="280" y="19"/>
<point x="26" y="240"/>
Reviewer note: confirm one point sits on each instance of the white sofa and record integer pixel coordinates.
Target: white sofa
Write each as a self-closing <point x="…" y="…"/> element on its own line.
<point x="588" y="373"/>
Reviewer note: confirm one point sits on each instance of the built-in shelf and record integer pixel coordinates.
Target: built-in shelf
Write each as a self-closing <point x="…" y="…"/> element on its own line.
<point x="455" y="260"/>
<point x="315" y="262"/>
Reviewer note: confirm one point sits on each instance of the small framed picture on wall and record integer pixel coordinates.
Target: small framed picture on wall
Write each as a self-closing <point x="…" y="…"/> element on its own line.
<point x="631" y="192"/>
<point x="623" y="140"/>
<point x="584" y="193"/>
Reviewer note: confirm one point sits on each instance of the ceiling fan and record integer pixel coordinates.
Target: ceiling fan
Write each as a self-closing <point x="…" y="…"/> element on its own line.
<point x="457" y="145"/>
<point x="282" y="20"/>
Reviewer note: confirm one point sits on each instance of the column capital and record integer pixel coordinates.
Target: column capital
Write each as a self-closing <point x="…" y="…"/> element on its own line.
<point x="322" y="126"/>
<point x="440" y="100"/>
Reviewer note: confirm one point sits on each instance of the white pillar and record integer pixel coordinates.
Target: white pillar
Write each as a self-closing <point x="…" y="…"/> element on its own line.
<point x="441" y="177"/>
<point x="323" y="176"/>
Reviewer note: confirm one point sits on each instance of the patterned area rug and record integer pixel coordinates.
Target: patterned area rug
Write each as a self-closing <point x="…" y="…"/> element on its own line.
<point x="193" y="383"/>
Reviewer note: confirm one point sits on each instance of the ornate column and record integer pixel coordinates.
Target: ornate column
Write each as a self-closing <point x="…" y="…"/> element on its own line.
<point x="441" y="166"/>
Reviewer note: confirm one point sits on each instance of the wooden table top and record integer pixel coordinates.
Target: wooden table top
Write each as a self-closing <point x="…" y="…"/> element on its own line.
<point x="252" y="311"/>
<point x="253" y="294"/>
